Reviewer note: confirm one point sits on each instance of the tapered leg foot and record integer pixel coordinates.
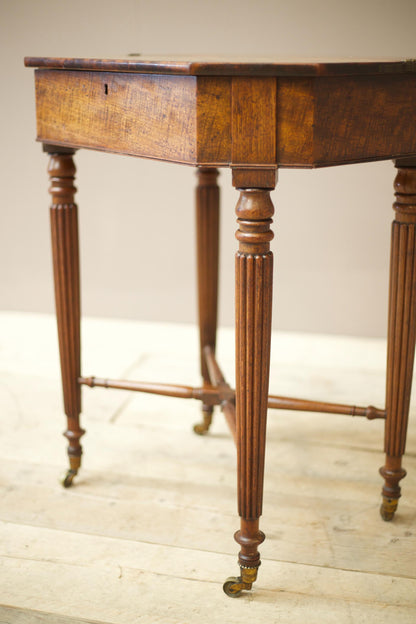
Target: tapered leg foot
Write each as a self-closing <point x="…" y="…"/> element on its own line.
<point x="234" y="585"/>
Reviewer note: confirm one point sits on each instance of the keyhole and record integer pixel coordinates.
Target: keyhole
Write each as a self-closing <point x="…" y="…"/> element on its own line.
<point x="106" y="89"/>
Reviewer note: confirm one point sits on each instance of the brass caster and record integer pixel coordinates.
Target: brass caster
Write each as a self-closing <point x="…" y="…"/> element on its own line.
<point x="69" y="477"/>
<point x="388" y="508"/>
<point x="234" y="585"/>
<point x="203" y="427"/>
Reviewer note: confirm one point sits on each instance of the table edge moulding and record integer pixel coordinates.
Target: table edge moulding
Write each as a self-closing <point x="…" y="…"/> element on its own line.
<point x="253" y="116"/>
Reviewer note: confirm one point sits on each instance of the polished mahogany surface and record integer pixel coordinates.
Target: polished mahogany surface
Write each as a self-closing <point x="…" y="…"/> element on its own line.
<point x="198" y="65"/>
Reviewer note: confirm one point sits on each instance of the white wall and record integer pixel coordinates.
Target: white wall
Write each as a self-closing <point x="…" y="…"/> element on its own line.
<point x="332" y="225"/>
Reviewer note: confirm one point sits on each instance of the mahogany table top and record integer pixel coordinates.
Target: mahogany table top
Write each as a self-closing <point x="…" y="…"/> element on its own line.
<point x="199" y="65"/>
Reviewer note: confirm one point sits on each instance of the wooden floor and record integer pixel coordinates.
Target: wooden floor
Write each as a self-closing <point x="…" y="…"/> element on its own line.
<point x="146" y="535"/>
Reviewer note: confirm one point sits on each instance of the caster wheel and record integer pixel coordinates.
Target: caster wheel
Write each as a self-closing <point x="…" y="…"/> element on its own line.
<point x="69" y="477"/>
<point x="233" y="586"/>
<point x="200" y="429"/>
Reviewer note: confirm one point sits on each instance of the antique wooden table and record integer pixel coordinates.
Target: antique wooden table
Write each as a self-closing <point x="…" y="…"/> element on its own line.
<point x="254" y="117"/>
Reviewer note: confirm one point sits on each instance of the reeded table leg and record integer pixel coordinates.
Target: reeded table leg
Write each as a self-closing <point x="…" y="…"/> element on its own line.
<point x="254" y="268"/>
<point x="401" y="333"/>
<point x="64" y="229"/>
<point x="207" y="223"/>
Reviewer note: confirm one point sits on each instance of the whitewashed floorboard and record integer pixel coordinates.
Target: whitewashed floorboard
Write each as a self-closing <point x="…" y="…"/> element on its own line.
<point x="146" y="535"/>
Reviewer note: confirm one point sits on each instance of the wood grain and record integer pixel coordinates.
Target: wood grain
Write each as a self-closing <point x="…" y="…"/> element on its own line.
<point x="207" y="240"/>
<point x="13" y="615"/>
<point x="116" y="565"/>
<point x="225" y="392"/>
<point x="240" y="121"/>
<point x="253" y="121"/>
<point x="401" y="329"/>
<point x="150" y="116"/>
<point x="288" y="403"/>
<point x="213" y="121"/>
<point x="64" y="231"/>
<point x="295" y="121"/>
<point x="358" y="118"/>
<point x="325" y="121"/>
<point x="207" y="208"/>
<point x="229" y="66"/>
<point x="254" y="273"/>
